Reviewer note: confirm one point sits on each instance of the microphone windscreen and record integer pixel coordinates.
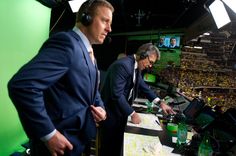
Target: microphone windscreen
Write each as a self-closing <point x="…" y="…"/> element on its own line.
<point x="108" y="40"/>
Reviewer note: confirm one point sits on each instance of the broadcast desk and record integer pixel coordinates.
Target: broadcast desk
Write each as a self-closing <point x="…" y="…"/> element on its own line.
<point x="150" y="138"/>
<point x="143" y="140"/>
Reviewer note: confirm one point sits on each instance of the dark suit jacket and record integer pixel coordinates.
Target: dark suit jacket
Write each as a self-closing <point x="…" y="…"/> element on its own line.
<point x="56" y="88"/>
<point x="115" y="93"/>
<point x="119" y="82"/>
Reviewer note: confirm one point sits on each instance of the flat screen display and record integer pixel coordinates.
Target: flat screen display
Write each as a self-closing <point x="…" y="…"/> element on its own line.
<point x="147" y="77"/>
<point x="168" y="41"/>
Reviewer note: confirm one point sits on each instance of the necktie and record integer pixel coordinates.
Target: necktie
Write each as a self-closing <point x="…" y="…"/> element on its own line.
<point x="92" y="55"/>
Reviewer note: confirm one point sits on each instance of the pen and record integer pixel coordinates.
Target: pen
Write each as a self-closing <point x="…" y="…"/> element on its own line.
<point x="157" y="122"/>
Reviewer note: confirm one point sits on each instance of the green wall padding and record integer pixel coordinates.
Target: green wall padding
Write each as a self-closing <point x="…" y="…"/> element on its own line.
<point x="24" y="27"/>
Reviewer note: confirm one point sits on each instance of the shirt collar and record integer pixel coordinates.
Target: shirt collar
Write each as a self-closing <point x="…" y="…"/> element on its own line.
<point x="84" y="38"/>
<point x="135" y="63"/>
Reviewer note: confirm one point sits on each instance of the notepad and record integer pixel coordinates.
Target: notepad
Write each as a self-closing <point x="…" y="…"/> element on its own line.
<point x="144" y="145"/>
<point x="148" y="121"/>
<point x="141" y="145"/>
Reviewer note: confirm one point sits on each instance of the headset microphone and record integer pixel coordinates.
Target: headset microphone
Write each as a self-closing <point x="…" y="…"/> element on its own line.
<point x="107" y="40"/>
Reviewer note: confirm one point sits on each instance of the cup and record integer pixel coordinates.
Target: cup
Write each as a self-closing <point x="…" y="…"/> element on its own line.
<point x="172" y="128"/>
<point x="182" y="133"/>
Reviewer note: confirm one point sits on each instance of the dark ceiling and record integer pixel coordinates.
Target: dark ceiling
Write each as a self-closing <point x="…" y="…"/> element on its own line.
<point x="140" y="15"/>
<point x="136" y="15"/>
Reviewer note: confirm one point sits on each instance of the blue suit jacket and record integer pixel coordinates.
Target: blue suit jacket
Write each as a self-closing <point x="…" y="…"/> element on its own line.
<point x="115" y="93"/>
<point x="56" y="88"/>
<point x="117" y="86"/>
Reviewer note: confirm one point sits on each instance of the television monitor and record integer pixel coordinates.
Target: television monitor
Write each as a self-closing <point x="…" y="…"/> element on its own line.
<point x="150" y="78"/>
<point x="194" y="108"/>
<point x="169" y="41"/>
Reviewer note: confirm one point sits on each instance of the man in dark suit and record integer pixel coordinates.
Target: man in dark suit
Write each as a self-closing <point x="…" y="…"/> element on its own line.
<point x="173" y="43"/>
<point x="120" y="88"/>
<point x="56" y="93"/>
<point x="161" y="43"/>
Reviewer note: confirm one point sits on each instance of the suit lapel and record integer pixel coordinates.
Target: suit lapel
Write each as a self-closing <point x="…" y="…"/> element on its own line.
<point x="136" y="82"/>
<point x="92" y="69"/>
<point x="92" y="74"/>
<point x="97" y="80"/>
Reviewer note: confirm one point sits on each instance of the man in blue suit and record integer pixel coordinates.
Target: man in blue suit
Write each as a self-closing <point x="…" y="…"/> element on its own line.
<point x="56" y="93"/>
<point x="122" y="81"/>
<point x="161" y="43"/>
<point x="173" y="43"/>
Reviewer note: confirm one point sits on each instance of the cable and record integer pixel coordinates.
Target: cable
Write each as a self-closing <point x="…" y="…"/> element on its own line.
<point x="58" y="20"/>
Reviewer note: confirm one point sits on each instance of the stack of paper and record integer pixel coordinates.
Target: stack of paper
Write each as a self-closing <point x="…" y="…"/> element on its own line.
<point x="148" y="121"/>
<point x="144" y="145"/>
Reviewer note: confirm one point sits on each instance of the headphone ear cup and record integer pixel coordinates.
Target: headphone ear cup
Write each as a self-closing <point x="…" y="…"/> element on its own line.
<point x="86" y="19"/>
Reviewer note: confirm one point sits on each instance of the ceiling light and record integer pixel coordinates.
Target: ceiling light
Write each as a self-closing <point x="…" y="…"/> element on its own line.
<point x="197" y="47"/>
<point x="75" y="5"/>
<point x="206" y="34"/>
<point x="231" y="4"/>
<point x="219" y="13"/>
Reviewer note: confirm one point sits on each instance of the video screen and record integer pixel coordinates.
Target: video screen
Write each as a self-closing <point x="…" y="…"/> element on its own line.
<point x="150" y="78"/>
<point x="169" y="41"/>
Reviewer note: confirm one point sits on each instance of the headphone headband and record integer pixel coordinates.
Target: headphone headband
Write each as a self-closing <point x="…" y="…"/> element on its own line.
<point x="86" y="18"/>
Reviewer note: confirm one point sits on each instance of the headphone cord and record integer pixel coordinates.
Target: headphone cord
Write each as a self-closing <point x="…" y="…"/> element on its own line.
<point x="58" y="20"/>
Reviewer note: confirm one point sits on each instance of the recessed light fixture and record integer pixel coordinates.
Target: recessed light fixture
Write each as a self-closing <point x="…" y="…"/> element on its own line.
<point x="75" y="5"/>
<point x="219" y="13"/>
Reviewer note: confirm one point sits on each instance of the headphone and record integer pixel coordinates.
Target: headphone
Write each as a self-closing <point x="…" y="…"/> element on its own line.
<point x="146" y="50"/>
<point x="86" y="18"/>
<point x="144" y="54"/>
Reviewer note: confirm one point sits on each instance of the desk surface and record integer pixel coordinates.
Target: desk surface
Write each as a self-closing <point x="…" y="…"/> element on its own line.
<point x="141" y="139"/>
<point x="144" y="135"/>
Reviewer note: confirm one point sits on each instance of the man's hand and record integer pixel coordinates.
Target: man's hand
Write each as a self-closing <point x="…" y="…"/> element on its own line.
<point x="99" y="113"/>
<point x="58" y="144"/>
<point x="166" y="108"/>
<point x="135" y="118"/>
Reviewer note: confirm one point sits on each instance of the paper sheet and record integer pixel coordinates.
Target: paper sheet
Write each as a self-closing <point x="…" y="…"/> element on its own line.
<point x="144" y="145"/>
<point x="148" y="121"/>
<point x="141" y="145"/>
